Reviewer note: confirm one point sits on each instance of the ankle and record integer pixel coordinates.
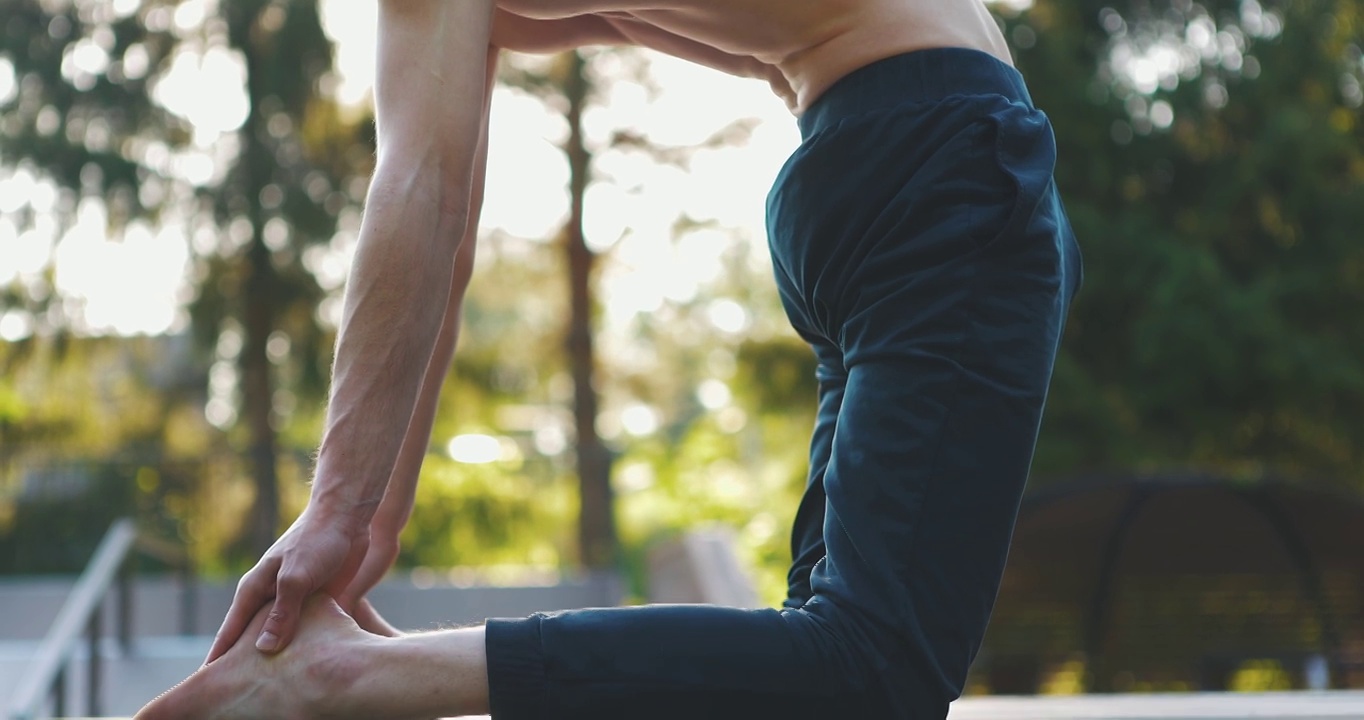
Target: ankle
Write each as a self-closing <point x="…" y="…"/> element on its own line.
<point x="437" y="674"/>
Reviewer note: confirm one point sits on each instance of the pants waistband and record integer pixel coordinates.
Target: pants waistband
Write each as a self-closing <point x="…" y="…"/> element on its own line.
<point x="914" y="77"/>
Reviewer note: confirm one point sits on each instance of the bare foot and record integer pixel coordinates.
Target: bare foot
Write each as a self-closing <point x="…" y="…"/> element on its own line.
<point x="320" y="675"/>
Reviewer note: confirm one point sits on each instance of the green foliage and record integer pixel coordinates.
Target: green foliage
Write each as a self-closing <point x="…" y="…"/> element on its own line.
<point x="89" y="118"/>
<point x="492" y="514"/>
<point x="1218" y="210"/>
<point x="1261" y="676"/>
<point x="738" y="459"/>
<point x="716" y="475"/>
<point x="95" y="429"/>
<point x="503" y="382"/>
<point x="1210" y="157"/>
<point x="76" y="124"/>
<point x="58" y="534"/>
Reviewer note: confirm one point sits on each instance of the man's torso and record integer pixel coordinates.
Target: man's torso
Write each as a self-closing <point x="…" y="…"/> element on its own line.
<point x="801" y="47"/>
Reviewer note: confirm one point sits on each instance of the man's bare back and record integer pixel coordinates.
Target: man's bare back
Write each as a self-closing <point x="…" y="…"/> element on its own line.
<point x="801" y="48"/>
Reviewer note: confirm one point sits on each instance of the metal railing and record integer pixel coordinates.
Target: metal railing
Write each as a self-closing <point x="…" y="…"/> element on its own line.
<point x="81" y="617"/>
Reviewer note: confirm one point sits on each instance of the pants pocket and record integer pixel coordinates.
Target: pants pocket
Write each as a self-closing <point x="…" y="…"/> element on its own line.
<point x="1023" y="150"/>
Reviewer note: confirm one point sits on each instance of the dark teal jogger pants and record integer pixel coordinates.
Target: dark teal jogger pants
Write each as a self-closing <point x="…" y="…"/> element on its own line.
<point x="920" y="247"/>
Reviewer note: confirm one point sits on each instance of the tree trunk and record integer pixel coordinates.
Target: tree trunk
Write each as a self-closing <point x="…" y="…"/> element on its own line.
<point x="258" y="311"/>
<point x="257" y="399"/>
<point x="596" y="521"/>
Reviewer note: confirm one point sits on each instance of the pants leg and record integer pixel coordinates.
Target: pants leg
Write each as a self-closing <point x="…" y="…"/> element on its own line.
<point x="925" y="254"/>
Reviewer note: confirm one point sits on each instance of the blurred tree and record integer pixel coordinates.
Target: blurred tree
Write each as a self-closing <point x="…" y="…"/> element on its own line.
<point x="569" y="84"/>
<point x="1210" y="157"/>
<point x="80" y="421"/>
<point x="297" y="157"/>
<point x="509" y="381"/>
<point x="98" y="113"/>
<point x="734" y="390"/>
<point x="563" y="83"/>
<point x="83" y="117"/>
<point x="94" y="430"/>
<point x="597" y="542"/>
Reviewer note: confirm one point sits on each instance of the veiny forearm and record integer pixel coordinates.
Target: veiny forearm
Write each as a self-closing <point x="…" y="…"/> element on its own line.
<point x="396" y="507"/>
<point x="428" y="99"/>
<point x="396" y="301"/>
<point x="400" y="494"/>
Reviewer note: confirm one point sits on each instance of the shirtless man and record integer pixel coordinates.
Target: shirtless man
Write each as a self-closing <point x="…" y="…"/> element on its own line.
<point x="919" y="246"/>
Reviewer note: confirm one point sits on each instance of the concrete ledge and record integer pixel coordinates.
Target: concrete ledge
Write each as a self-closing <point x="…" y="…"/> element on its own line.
<point x="1173" y="706"/>
<point x="1202" y="706"/>
<point x="411" y="601"/>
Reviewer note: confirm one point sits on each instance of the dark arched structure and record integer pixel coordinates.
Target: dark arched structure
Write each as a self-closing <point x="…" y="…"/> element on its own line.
<point x="1178" y="578"/>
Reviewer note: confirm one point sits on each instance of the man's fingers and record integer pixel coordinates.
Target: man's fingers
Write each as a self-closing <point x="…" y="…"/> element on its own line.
<point x="351" y="598"/>
<point x="371" y="621"/>
<point x="253" y="591"/>
<point x="372" y="568"/>
<point x="291" y="589"/>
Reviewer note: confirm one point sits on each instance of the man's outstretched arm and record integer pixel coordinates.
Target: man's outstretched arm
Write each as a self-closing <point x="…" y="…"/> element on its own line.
<point x="508" y="32"/>
<point x="429" y="94"/>
<point x="395" y="509"/>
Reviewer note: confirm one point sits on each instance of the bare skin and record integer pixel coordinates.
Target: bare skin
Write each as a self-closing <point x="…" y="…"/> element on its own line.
<point x="336" y="669"/>
<point x="801" y="47"/>
<point x="412" y="265"/>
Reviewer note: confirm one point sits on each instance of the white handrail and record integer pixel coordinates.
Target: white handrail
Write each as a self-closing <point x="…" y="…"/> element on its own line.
<point x="73" y="620"/>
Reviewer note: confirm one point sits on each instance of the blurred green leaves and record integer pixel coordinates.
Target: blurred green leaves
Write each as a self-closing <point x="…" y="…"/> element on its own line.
<point x="1218" y="324"/>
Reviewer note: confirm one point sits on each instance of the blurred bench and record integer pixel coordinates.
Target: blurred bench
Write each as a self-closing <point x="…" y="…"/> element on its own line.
<point x="701" y="566"/>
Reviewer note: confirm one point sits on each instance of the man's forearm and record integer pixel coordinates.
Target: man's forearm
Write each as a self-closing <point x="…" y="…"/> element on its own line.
<point x="402" y="484"/>
<point x="393" y="313"/>
<point x="428" y="101"/>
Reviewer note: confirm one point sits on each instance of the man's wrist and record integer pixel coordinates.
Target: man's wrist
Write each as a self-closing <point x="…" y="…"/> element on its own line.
<point x="351" y="514"/>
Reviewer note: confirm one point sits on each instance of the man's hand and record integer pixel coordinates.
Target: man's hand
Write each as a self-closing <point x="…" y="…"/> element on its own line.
<point x="371" y="621"/>
<point x="380" y="556"/>
<point x="320" y="551"/>
<point x="412" y="261"/>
